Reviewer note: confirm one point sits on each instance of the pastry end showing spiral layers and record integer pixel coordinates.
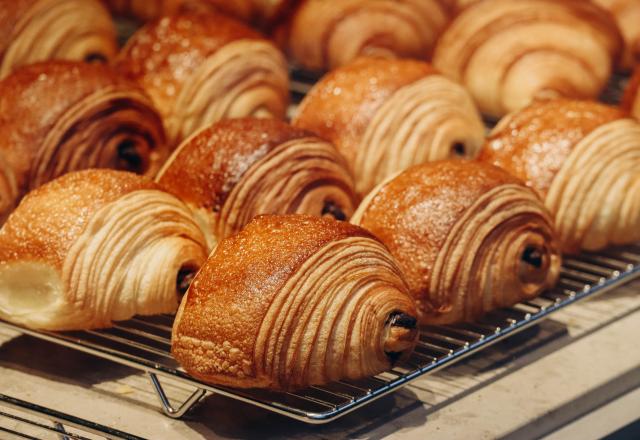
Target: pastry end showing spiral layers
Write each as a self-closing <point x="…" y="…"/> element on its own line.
<point x="201" y="68"/>
<point x="292" y="301"/>
<point x="508" y="53"/>
<point x="239" y="168"/>
<point x="65" y="116"/>
<point x="322" y="35"/>
<point x="469" y="238"/>
<point x="96" y="246"/>
<point x="583" y="159"/>
<point x="387" y="115"/>
<point x="39" y="30"/>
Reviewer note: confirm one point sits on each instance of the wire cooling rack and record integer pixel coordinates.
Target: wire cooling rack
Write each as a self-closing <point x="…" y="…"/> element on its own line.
<point x="25" y="420"/>
<point x="144" y="344"/>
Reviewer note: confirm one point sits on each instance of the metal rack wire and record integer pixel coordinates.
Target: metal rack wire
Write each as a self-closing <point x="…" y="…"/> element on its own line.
<point x="144" y="344"/>
<point x="25" y="420"/>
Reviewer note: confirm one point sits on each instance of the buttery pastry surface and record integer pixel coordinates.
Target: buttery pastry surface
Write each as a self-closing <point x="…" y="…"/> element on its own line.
<point x="61" y="116"/>
<point x="239" y="168"/>
<point x="583" y="159"/>
<point x="386" y="115"/>
<point x="201" y="68"/>
<point x="468" y="236"/>
<point x="291" y="301"/>
<point x="92" y="247"/>
<point x="39" y="30"/>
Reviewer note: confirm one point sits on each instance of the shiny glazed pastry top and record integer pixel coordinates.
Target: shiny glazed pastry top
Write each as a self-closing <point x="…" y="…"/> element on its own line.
<point x="469" y="237"/>
<point x="239" y="168"/>
<point x="201" y="68"/>
<point x="292" y="301"/>
<point x="583" y="159"/>
<point x="325" y="34"/>
<point x="96" y="246"/>
<point x="386" y="115"/>
<point x="61" y="116"/>
<point x="508" y="52"/>
<point x="39" y="30"/>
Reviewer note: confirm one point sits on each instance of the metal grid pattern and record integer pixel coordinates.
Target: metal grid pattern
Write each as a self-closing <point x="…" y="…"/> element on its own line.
<point x="25" y="420"/>
<point x="144" y="344"/>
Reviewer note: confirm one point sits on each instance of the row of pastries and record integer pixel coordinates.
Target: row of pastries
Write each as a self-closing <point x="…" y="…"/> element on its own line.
<point x="305" y="252"/>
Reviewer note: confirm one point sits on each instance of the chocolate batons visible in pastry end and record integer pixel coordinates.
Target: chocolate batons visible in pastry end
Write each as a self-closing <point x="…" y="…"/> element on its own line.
<point x="627" y="14"/>
<point x="39" y="30"/>
<point x="583" y="159"/>
<point x="508" y="52"/>
<point x="292" y="301"/>
<point x="323" y="34"/>
<point x="93" y="247"/>
<point x="631" y="100"/>
<point x="61" y="116"/>
<point x="387" y="115"/>
<point x="239" y="168"/>
<point x="201" y="68"/>
<point x="469" y="237"/>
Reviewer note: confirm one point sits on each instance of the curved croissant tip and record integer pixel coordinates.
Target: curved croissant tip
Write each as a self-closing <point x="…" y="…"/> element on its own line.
<point x="400" y="335"/>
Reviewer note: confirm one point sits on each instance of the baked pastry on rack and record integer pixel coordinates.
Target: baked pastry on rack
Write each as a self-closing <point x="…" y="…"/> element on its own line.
<point x="631" y="100"/>
<point x="39" y="30"/>
<point x="468" y="236"/>
<point x="508" y="52"/>
<point x="93" y="247"/>
<point x="239" y="168"/>
<point x="293" y="301"/>
<point x="583" y="159"/>
<point x="61" y="116"/>
<point x="201" y="68"/>
<point x="386" y="115"/>
<point x="325" y="34"/>
<point x="627" y="14"/>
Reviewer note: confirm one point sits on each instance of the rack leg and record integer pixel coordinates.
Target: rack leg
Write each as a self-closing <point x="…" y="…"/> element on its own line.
<point x="167" y="408"/>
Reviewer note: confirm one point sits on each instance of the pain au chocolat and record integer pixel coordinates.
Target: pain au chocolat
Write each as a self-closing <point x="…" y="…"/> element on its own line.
<point x="61" y="116"/>
<point x="325" y="34"/>
<point x="292" y="301"/>
<point x="583" y="159"/>
<point x="239" y="168"/>
<point x="386" y="115"/>
<point x="201" y="68"/>
<point x="468" y="236"/>
<point x="39" y="30"/>
<point x="96" y="246"/>
<point x="508" y="52"/>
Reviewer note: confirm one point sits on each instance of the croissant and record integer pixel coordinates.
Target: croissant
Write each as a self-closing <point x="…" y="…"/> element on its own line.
<point x="239" y="168"/>
<point x="507" y="52"/>
<point x="468" y="237"/>
<point x="583" y="159"/>
<point x="292" y="301"/>
<point x="386" y="115"/>
<point x="627" y="14"/>
<point x="324" y="34"/>
<point x="200" y="68"/>
<point x="60" y="116"/>
<point x="38" y="30"/>
<point x="631" y="100"/>
<point x="96" y="246"/>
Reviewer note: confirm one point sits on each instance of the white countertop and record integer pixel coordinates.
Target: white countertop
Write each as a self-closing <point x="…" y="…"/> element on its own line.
<point x="573" y="376"/>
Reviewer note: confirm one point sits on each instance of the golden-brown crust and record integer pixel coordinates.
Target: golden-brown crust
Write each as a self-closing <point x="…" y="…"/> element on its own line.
<point x="9" y="14"/>
<point x="206" y="167"/>
<point x="164" y="53"/>
<point x="631" y="99"/>
<point x="247" y="271"/>
<point x="627" y="14"/>
<point x="447" y="189"/>
<point x="534" y="143"/>
<point x="54" y="215"/>
<point x="340" y="106"/>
